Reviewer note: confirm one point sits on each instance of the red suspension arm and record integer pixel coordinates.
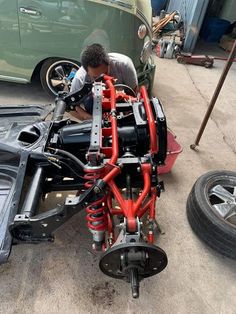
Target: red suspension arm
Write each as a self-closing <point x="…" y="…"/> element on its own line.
<point x="129" y="207"/>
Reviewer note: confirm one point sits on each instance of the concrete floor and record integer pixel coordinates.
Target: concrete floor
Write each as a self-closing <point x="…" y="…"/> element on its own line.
<point x="64" y="277"/>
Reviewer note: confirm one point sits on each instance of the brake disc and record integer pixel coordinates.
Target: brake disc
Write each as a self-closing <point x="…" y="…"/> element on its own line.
<point x="133" y="262"/>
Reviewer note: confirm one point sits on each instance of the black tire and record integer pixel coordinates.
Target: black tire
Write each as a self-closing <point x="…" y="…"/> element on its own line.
<point x="57" y="74"/>
<point x="213" y="193"/>
<point x="181" y="60"/>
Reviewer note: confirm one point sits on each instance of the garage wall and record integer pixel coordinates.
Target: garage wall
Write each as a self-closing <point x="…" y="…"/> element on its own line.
<point x="229" y="11"/>
<point x="193" y="13"/>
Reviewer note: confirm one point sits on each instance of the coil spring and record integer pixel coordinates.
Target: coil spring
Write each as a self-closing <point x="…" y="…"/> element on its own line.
<point x="96" y="216"/>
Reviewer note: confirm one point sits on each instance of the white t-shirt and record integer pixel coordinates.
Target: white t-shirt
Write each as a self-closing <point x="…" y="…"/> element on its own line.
<point x="120" y="67"/>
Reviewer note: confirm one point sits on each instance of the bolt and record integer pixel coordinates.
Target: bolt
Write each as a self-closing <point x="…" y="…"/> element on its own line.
<point x="96" y="189"/>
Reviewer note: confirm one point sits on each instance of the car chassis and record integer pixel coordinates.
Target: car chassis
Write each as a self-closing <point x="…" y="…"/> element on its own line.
<point x="111" y="161"/>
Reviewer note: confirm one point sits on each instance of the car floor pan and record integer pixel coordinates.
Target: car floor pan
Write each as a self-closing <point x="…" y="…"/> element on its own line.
<point x="7" y="209"/>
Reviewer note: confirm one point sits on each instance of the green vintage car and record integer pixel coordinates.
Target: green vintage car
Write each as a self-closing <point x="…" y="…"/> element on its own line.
<point x="45" y="37"/>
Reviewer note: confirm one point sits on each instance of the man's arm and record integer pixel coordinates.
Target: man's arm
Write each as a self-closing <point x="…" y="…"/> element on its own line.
<point x="79" y="80"/>
<point x="77" y="84"/>
<point x="81" y="114"/>
<point x="130" y="75"/>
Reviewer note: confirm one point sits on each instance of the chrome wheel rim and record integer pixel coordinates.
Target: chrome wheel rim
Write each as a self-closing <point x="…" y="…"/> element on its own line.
<point x="59" y="76"/>
<point x="222" y="198"/>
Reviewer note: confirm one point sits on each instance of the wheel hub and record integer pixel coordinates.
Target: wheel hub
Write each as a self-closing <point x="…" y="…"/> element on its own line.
<point x="133" y="262"/>
<point x="223" y="201"/>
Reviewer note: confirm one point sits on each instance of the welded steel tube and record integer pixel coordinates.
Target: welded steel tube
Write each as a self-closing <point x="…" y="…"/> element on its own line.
<point x="59" y="110"/>
<point x="34" y="193"/>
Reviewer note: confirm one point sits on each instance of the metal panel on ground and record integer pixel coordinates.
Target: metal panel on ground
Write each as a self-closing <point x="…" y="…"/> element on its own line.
<point x="192" y="12"/>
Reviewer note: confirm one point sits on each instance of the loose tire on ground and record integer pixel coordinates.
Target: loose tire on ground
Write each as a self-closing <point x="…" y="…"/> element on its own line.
<point x="211" y="211"/>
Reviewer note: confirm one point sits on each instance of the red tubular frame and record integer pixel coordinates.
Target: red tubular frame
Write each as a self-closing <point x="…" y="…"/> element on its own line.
<point x="128" y="207"/>
<point x="112" y="174"/>
<point x="151" y="120"/>
<point x="150" y="204"/>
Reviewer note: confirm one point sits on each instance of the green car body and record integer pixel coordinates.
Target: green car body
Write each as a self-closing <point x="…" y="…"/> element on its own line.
<point x="32" y="32"/>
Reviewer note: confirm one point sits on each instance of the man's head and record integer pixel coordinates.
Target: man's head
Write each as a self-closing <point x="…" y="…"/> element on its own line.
<point x="95" y="60"/>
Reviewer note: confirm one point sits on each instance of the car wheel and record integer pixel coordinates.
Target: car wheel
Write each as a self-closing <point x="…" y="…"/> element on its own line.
<point x="181" y="60"/>
<point x="57" y="74"/>
<point x="211" y="210"/>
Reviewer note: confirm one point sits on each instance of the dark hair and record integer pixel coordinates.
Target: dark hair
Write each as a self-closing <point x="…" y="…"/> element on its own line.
<point x="94" y="56"/>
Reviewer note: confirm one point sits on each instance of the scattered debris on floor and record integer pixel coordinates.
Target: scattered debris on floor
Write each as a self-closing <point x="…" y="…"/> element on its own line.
<point x="169" y="35"/>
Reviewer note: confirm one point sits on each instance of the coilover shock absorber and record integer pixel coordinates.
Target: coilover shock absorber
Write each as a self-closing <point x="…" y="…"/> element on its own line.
<point x="96" y="210"/>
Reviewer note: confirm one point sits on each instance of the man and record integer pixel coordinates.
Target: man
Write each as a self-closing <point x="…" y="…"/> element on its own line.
<point x="95" y="62"/>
